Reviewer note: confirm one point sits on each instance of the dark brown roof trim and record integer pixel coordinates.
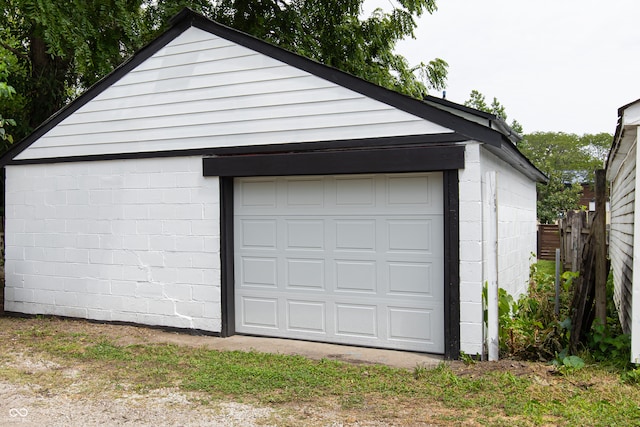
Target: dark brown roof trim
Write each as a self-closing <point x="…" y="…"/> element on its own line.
<point x="434" y="140"/>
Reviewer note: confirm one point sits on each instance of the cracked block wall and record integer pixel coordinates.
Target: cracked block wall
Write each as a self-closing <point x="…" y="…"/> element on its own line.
<point x="120" y="240"/>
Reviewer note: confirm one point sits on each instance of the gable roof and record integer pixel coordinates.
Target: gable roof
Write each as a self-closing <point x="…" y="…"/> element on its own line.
<point x="625" y="136"/>
<point x="497" y="140"/>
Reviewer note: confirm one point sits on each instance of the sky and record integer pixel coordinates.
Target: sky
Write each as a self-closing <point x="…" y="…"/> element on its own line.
<point x="556" y="65"/>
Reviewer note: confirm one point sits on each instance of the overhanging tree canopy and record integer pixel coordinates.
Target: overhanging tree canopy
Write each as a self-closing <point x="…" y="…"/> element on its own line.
<point x="56" y="49"/>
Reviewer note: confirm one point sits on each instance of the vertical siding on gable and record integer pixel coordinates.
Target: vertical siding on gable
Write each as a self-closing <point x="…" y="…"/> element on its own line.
<point x="623" y="195"/>
<point x="202" y="91"/>
<point x="128" y="240"/>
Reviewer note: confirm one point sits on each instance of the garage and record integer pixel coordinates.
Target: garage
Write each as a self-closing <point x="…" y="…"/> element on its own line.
<point x="219" y="184"/>
<point x="346" y="259"/>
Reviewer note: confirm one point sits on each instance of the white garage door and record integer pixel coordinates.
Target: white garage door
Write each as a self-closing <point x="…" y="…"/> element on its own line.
<point x="353" y="259"/>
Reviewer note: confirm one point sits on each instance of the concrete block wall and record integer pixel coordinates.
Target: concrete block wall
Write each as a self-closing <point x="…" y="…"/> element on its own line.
<point x="121" y="240"/>
<point x="517" y="223"/>
<point x="471" y="256"/>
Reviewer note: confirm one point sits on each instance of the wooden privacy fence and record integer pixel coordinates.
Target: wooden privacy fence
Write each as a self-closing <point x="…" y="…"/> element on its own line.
<point x="548" y="241"/>
<point x="574" y="231"/>
<point x="569" y="235"/>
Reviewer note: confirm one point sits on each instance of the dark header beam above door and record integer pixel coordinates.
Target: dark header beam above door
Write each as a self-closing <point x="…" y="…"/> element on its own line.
<point x="387" y="160"/>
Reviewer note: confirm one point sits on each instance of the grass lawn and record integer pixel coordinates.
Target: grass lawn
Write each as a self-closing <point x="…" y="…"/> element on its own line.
<point x="506" y="393"/>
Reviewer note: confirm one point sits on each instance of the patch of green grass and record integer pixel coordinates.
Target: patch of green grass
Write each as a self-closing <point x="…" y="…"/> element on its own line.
<point x="547" y="267"/>
<point x="589" y="396"/>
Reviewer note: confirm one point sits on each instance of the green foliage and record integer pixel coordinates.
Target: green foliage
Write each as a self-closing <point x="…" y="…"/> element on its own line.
<point x="606" y="342"/>
<point x="467" y="359"/>
<point x="7" y="92"/>
<point x="567" y="364"/>
<point x="631" y="376"/>
<point x="568" y="160"/>
<point x="57" y="49"/>
<point x="478" y="101"/>
<point x="528" y="327"/>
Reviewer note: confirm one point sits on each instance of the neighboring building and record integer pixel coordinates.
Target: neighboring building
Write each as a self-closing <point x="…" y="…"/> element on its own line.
<point x="625" y="214"/>
<point x="219" y="183"/>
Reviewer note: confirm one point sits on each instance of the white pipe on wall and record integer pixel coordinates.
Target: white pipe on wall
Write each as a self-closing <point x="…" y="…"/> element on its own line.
<point x="491" y="263"/>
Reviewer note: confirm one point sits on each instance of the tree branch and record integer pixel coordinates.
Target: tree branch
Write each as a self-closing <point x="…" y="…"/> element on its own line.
<point x="15" y="51"/>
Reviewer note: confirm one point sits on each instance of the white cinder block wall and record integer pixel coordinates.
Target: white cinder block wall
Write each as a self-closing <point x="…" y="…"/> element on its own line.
<point x="517" y="223"/>
<point x="471" y="252"/>
<point x="517" y="237"/>
<point x="126" y="240"/>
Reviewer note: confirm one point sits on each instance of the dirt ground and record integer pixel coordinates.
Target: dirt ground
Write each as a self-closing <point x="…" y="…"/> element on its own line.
<point x="38" y="405"/>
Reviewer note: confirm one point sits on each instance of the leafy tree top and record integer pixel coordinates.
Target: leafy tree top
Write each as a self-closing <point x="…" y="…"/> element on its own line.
<point x="478" y="101"/>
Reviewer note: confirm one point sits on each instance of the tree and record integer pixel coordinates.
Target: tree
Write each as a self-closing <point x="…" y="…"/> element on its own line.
<point x="6" y="93"/>
<point x="58" y="49"/>
<point x="477" y="100"/>
<point x="568" y="160"/>
<point x="332" y="32"/>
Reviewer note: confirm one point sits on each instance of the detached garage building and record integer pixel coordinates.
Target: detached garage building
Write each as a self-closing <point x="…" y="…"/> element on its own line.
<point x="219" y="183"/>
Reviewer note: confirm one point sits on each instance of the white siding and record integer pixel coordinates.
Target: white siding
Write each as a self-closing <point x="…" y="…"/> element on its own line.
<point x="203" y="91"/>
<point x="129" y="240"/>
<point x="621" y="236"/>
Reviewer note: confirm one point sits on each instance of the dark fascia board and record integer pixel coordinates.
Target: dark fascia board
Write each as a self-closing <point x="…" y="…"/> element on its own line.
<point x="187" y="18"/>
<point x="432" y="140"/>
<point x="461" y="107"/>
<point x="502" y="126"/>
<point x="510" y="154"/>
<point x="507" y="152"/>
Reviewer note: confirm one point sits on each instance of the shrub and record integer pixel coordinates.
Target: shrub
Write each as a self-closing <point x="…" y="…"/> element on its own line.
<point x="530" y="330"/>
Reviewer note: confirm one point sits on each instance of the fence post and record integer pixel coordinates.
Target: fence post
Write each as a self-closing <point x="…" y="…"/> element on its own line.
<point x="599" y="225"/>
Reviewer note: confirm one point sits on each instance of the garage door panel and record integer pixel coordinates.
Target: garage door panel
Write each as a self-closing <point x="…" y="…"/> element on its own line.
<point x="411" y="278"/>
<point x="305" y="193"/>
<point x="356" y="276"/>
<point x="261" y="313"/>
<point x="355" y="234"/>
<point x="306" y="316"/>
<point x="367" y="267"/>
<point x="258" y="193"/>
<point x="305" y="273"/>
<point x="357" y="320"/>
<point x="419" y="192"/>
<point x="410" y="235"/>
<point x="411" y="324"/>
<point x="305" y="234"/>
<point x="260" y="272"/>
<point x="258" y="233"/>
<point x="355" y="192"/>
